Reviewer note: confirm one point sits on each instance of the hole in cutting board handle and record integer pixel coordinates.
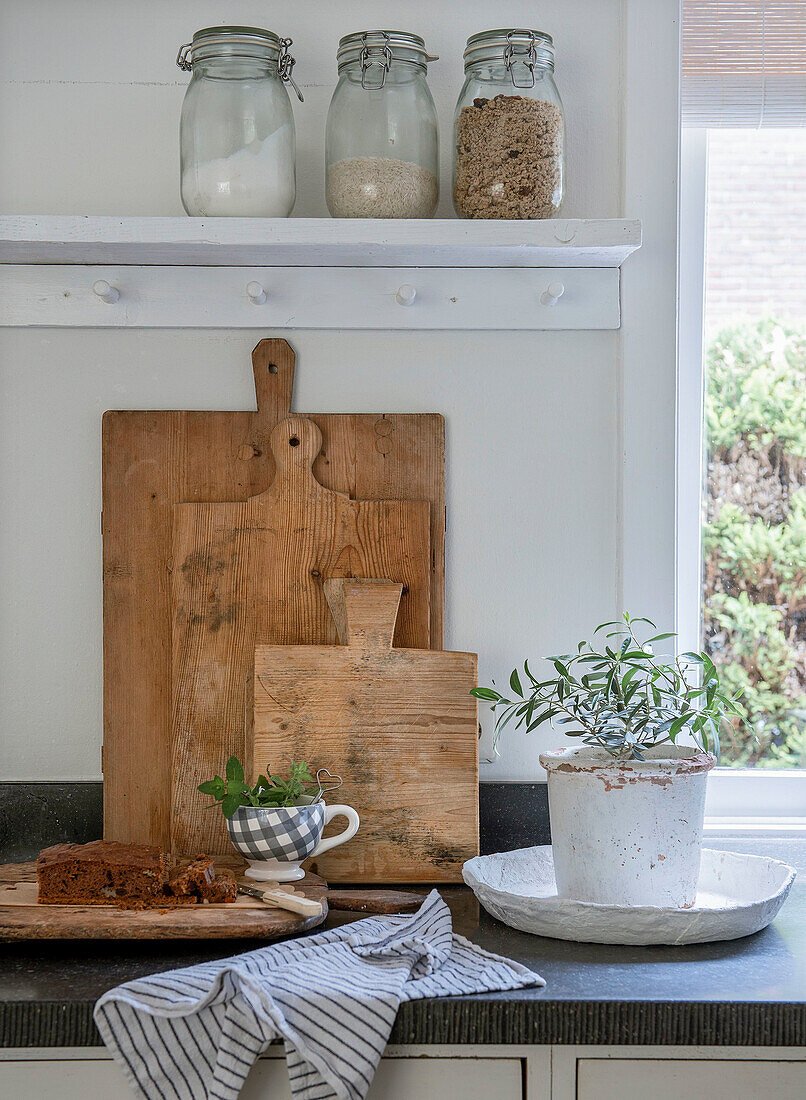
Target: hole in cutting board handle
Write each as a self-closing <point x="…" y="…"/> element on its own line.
<point x="273" y="368"/>
<point x="293" y="441"/>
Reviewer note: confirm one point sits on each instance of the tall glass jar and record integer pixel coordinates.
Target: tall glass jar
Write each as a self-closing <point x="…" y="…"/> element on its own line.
<point x="509" y="128"/>
<point x="237" y="138"/>
<point x="381" y="143"/>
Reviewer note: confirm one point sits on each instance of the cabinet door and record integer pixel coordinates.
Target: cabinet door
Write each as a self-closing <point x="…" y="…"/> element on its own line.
<point x="410" y="1078"/>
<point x="396" y="1079"/>
<point x="667" y="1079"/>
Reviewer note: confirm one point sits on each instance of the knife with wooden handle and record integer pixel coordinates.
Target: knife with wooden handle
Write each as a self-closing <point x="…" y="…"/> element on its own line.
<point x="294" y="903"/>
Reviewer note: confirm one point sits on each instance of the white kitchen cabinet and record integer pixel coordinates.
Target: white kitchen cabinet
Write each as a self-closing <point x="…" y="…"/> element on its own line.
<point x="468" y="1073"/>
<point x="669" y="1079"/>
<point x="398" y="1078"/>
<point x="406" y="1078"/>
<point x="669" y="1073"/>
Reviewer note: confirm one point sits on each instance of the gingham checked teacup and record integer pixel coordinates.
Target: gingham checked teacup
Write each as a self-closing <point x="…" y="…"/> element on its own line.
<point x="276" y="841"/>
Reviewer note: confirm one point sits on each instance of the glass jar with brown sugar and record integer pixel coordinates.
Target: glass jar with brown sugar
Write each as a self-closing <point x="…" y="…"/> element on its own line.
<point x="509" y="128"/>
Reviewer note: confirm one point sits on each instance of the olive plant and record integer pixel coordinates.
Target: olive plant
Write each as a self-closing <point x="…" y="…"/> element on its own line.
<point x="615" y="693"/>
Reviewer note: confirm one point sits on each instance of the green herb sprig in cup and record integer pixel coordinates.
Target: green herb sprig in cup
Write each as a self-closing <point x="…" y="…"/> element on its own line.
<point x="269" y="792"/>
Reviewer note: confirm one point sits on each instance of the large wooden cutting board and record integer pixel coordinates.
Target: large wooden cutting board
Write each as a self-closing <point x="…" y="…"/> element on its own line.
<point x="151" y="461"/>
<point x="254" y="572"/>
<point x="399" y="726"/>
<point x="22" y="918"/>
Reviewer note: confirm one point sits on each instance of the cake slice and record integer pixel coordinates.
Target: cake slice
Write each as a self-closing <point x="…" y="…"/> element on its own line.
<point x="200" y="881"/>
<point x="102" y="872"/>
<point x="223" y="888"/>
<point x="194" y="880"/>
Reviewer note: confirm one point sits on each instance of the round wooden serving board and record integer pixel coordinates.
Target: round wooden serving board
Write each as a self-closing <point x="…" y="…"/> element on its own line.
<point x="22" y="918"/>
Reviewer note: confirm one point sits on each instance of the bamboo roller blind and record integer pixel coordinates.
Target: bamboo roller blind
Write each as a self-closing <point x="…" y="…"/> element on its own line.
<point x="744" y="63"/>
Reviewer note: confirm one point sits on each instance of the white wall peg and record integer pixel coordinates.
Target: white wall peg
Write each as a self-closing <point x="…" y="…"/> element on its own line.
<point x="256" y="293"/>
<point x="405" y="294"/>
<point x="552" y="294"/>
<point x="105" y="291"/>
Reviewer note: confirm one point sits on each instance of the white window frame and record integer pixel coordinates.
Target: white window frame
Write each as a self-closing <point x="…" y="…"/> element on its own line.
<point x="746" y="801"/>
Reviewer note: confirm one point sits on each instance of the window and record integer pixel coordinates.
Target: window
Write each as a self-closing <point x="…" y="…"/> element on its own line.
<point x="742" y="390"/>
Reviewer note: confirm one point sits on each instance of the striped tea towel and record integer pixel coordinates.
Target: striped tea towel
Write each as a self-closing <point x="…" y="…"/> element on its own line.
<point x="332" y="998"/>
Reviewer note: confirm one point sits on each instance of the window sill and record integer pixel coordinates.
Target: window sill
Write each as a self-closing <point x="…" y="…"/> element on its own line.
<point x="754" y="826"/>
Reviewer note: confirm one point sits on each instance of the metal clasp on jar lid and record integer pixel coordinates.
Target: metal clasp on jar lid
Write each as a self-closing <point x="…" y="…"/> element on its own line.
<point x="375" y="52"/>
<point x="251" y="42"/>
<point x="514" y="54"/>
<point x="285" y="65"/>
<point x="380" y="59"/>
<point x="183" y="57"/>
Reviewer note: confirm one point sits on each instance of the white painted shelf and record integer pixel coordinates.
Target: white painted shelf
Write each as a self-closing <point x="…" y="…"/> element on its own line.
<point x="284" y="273"/>
<point x="316" y="242"/>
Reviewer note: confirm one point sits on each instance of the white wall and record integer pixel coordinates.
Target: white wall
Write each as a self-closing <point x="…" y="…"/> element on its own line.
<point x="536" y="464"/>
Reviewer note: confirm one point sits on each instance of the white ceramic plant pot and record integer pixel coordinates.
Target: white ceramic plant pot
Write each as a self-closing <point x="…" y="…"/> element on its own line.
<point x="627" y="832"/>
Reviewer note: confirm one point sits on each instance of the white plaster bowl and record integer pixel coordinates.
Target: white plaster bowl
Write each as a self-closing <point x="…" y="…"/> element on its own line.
<point x="737" y="895"/>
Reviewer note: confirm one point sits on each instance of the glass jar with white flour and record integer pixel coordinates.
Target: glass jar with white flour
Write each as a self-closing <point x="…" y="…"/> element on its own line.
<point x="237" y="138"/>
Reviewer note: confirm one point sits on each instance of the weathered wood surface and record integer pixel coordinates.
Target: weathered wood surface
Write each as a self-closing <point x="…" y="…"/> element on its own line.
<point x="153" y="460"/>
<point x="374" y="901"/>
<point x="400" y="727"/>
<point x="254" y="572"/>
<point x="22" y="918"/>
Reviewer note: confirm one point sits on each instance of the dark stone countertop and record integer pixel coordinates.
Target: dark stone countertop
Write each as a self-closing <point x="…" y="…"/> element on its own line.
<point x="749" y="992"/>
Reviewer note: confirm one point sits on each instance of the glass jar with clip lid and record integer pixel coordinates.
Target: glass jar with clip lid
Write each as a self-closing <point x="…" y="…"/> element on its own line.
<point x="509" y="128"/>
<point x="237" y="137"/>
<point x="381" y="144"/>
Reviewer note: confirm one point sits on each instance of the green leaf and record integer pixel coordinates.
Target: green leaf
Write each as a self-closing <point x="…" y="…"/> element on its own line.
<point x="677" y="725"/>
<point x="212" y="786"/>
<point x="486" y="693"/>
<point x="539" y="719"/>
<point x="234" y="770"/>
<point x="611" y="622"/>
<point x="515" y="683"/>
<point x="639" y="619"/>
<point x="230" y="804"/>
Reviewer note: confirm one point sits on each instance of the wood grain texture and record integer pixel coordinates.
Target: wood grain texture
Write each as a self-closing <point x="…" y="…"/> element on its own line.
<point x="153" y="460"/>
<point x="400" y="727"/>
<point x="254" y="572"/>
<point x="374" y="901"/>
<point x="21" y="918"/>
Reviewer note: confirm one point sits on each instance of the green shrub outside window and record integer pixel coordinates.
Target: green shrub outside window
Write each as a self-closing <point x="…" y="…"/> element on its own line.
<point x="754" y="535"/>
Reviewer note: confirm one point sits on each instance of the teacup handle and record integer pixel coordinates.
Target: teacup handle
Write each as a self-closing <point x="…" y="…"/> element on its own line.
<point x="352" y="828"/>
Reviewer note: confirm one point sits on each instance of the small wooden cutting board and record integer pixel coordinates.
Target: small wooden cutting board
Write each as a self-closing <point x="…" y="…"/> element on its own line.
<point x="22" y="918"/>
<point x="254" y="571"/>
<point x="399" y="725"/>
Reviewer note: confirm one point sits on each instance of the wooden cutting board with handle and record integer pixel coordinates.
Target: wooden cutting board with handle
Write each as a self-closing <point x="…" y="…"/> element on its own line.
<point x="398" y="725"/>
<point x="253" y="572"/>
<point x="153" y="460"/>
<point x="22" y="918"/>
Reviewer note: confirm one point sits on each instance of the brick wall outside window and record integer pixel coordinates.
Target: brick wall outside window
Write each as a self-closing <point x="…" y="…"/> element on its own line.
<point x="756" y="226"/>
